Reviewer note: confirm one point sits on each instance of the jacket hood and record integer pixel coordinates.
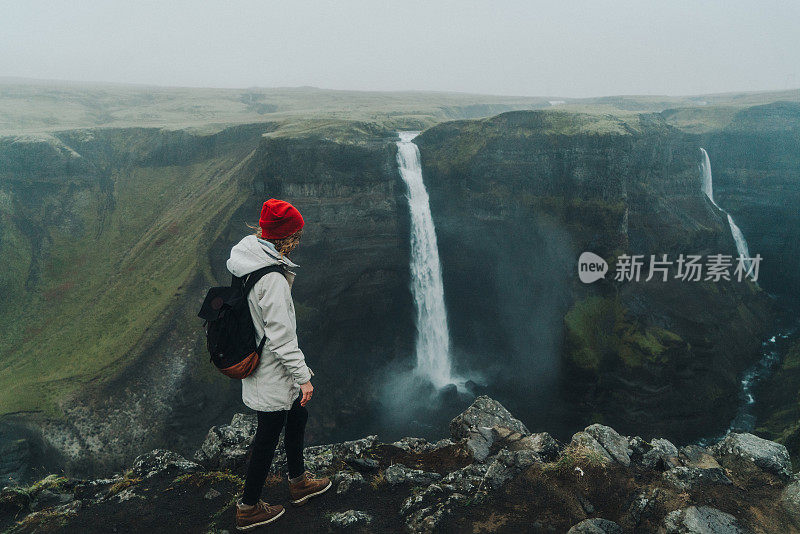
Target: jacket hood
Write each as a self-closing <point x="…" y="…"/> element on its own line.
<point x="252" y="253"/>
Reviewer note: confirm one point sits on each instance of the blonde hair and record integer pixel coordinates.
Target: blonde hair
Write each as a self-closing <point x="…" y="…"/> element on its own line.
<point x="283" y="245"/>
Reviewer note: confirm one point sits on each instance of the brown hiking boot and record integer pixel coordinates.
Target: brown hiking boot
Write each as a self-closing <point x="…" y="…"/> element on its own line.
<point x="305" y="487"/>
<point x="260" y="514"/>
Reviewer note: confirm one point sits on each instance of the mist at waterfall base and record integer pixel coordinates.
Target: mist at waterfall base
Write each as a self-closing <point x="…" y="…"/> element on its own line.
<point x="500" y="333"/>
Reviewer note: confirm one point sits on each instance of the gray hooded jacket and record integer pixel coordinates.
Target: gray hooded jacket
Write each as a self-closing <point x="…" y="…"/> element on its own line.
<point x="275" y="383"/>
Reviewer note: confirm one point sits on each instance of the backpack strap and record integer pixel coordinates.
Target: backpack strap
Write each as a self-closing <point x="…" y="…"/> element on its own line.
<point x="252" y="280"/>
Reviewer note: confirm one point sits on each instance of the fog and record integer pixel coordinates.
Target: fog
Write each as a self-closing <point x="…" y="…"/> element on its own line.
<point x="570" y="49"/>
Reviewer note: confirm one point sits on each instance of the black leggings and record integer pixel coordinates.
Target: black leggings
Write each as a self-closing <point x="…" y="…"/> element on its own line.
<point x="265" y="441"/>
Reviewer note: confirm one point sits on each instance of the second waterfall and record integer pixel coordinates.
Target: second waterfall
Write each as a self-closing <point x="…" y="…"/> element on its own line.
<point x="433" y="337"/>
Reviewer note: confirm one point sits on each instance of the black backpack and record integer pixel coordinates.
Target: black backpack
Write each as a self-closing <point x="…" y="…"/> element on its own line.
<point x="230" y="334"/>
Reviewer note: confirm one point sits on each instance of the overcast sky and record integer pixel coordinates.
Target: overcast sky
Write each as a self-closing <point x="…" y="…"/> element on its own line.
<point x="525" y="47"/>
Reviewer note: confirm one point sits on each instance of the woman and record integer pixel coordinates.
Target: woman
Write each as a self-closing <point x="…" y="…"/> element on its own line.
<point x="280" y="387"/>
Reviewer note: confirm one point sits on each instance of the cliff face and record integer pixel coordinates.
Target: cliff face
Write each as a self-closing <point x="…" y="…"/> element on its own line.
<point x="103" y="233"/>
<point x="756" y="164"/>
<point x="516" y="199"/>
<point x="113" y="236"/>
<point x="353" y="304"/>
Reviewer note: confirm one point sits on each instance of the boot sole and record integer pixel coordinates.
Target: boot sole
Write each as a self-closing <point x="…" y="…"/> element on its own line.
<point x="301" y="502"/>
<point x="262" y="523"/>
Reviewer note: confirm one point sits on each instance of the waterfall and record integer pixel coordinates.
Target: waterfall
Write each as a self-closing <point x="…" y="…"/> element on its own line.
<point x="736" y="232"/>
<point x="433" y="338"/>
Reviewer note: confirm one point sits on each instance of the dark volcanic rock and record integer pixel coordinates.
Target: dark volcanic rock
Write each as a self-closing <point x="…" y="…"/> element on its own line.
<point x="742" y="450"/>
<point x="158" y="461"/>
<point x="515" y="490"/>
<point x="596" y="526"/>
<point x="475" y="425"/>
<point x="701" y="520"/>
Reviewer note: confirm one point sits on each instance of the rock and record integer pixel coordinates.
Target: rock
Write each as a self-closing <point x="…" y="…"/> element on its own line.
<point x="367" y="465"/>
<point x="476" y="422"/>
<point x="467" y="479"/>
<point x="638" y="447"/>
<point x="484" y="412"/>
<point x="479" y="443"/>
<point x="345" y="480"/>
<point x="542" y="443"/>
<point x="587" y="441"/>
<point x="418" y="445"/>
<point x="661" y="456"/>
<point x="350" y="518"/>
<point x="743" y="450"/>
<point x="790" y="499"/>
<point x="47" y="499"/>
<point x="400" y="474"/>
<point x="322" y="457"/>
<point x="643" y="506"/>
<point x="616" y="445"/>
<point x="426" y="519"/>
<point x="596" y="526"/>
<point x="226" y="446"/>
<point x="691" y="478"/>
<point x="701" y="520"/>
<point x="211" y="494"/>
<point x="509" y="464"/>
<point x="158" y="461"/>
<point x="13" y="500"/>
<point x="697" y="456"/>
<point x="412" y="445"/>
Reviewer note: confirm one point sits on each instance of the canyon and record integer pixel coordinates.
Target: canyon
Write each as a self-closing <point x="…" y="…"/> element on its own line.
<point x="110" y="236"/>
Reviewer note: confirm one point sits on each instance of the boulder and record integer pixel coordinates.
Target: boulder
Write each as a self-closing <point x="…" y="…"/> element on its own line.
<point x="662" y="455"/>
<point x="226" y="446"/>
<point x="366" y="465"/>
<point x="323" y="457"/>
<point x="507" y="465"/>
<point x="587" y="441"/>
<point x="644" y="505"/>
<point x="616" y="445"/>
<point x="345" y="480"/>
<point x="697" y="456"/>
<point x="350" y="518"/>
<point x="701" y="520"/>
<point x="484" y="412"/>
<point x="479" y="443"/>
<point x="790" y="500"/>
<point x="596" y="526"/>
<point x="476" y="422"/>
<point x="400" y="474"/>
<point x="467" y="479"/>
<point x="691" y="478"/>
<point x="159" y="461"/>
<point x="746" y="450"/>
<point x="542" y="443"/>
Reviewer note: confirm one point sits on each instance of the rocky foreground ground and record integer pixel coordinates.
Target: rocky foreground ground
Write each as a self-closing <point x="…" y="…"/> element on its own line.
<point x="491" y="475"/>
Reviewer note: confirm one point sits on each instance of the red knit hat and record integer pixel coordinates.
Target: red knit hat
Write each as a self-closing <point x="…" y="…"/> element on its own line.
<point x="279" y="219"/>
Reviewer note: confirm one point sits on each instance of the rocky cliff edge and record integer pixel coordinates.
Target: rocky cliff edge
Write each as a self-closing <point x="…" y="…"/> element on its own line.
<point x="491" y="475"/>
